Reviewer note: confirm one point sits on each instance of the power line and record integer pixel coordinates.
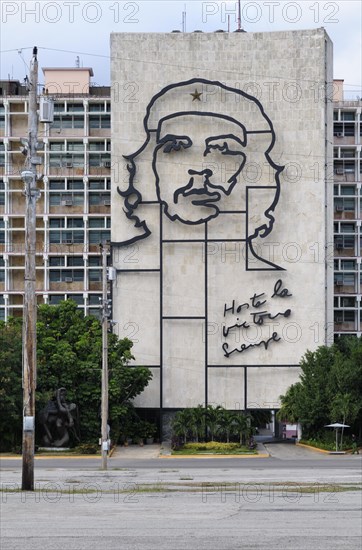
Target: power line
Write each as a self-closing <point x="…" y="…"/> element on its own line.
<point x="160" y="63"/>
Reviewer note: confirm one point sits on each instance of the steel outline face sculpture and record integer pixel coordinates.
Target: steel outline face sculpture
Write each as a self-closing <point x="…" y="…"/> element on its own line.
<point x="233" y="143"/>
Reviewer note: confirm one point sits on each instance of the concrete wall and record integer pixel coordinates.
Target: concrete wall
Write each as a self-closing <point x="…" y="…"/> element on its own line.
<point x="179" y="286"/>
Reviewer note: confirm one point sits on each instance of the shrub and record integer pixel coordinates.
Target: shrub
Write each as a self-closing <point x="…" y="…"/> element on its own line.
<point x="87" y="449"/>
<point x="212" y="446"/>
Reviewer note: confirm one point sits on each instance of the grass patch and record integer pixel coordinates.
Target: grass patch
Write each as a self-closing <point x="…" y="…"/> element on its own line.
<point x="213" y="447"/>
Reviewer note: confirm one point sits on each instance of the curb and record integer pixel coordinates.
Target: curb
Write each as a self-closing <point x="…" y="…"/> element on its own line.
<point x="47" y="457"/>
<point x="208" y="456"/>
<point x="316" y="449"/>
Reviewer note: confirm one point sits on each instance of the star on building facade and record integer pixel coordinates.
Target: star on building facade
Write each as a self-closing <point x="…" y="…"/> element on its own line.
<point x="196" y="95"/>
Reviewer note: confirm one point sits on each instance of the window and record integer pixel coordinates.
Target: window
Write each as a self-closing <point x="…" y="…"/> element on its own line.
<point x="66" y="199"/>
<point x="344" y="241"/>
<point x="55" y="261"/>
<point x="75" y="184"/>
<point x="77" y="298"/>
<point x="59" y="107"/>
<point x="65" y="121"/>
<point x="57" y="146"/>
<point x="65" y="275"/>
<point x="348" y="190"/>
<point x="96" y="107"/>
<point x="55" y="161"/>
<point x="75" y="107"/>
<point x="56" y="299"/>
<point x="348" y="264"/>
<point x="94" y="261"/>
<point x="344" y="316"/>
<point x="77" y="236"/>
<point x="75" y="261"/>
<point x="99" y="199"/>
<point x="73" y="161"/>
<point x="2" y="275"/>
<point x="75" y="146"/>
<point x="75" y="222"/>
<point x="347" y="228"/>
<point x="96" y="146"/>
<point x="96" y="222"/>
<point x="347" y="115"/>
<point x="99" y="121"/>
<point x="344" y="205"/>
<point x="348" y="279"/>
<point x="94" y="299"/>
<point x="97" y="237"/>
<point x="2" y="193"/>
<point x="100" y="160"/>
<point x="56" y="222"/>
<point x="342" y="129"/>
<point x="347" y="302"/>
<point x="96" y="184"/>
<point x="66" y="237"/>
<point x="56" y="184"/>
<point x="95" y="275"/>
<point x="348" y="153"/>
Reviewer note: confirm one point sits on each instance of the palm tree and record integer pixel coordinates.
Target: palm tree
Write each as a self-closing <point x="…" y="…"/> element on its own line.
<point x="213" y="419"/>
<point x="183" y="423"/>
<point x="240" y="425"/>
<point x="226" y="419"/>
<point x="198" y="414"/>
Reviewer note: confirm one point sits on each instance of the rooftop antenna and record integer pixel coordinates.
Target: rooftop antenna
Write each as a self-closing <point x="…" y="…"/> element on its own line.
<point x="228" y="23"/>
<point x="77" y="62"/>
<point x="184" y="19"/>
<point x="239" y="15"/>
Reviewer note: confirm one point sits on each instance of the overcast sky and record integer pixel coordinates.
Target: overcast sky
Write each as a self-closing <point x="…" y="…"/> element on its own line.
<point x="82" y="27"/>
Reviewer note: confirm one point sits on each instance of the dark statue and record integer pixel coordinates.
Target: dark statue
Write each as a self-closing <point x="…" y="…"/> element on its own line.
<point x="58" y="419"/>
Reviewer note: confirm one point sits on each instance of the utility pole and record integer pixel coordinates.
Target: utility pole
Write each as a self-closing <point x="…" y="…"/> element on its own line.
<point x="29" y="177"/>
<point x="105" y="317"/>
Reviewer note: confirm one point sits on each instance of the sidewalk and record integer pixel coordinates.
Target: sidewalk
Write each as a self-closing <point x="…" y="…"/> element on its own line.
<point x="137" y="452"/>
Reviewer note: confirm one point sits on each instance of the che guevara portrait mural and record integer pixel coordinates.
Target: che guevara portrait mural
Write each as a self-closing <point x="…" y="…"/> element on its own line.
<point x="199" y="206"/>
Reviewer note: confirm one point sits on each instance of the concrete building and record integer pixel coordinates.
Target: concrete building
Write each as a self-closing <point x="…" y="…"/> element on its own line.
<point x="73" y="212"/>
<point x="220" y="230"/>
<point x="347" y="167"/>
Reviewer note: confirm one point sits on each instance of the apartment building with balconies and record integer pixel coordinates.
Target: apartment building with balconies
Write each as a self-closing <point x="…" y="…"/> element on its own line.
<point x="73" y="209"/>
<point x="347" y="167"/>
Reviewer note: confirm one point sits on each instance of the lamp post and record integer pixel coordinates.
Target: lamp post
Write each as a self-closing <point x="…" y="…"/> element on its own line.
<point x="105" y="319"/>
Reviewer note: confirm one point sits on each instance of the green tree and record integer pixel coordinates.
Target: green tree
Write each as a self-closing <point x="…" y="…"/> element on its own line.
<point x="241" y="426"/>
<point x="183" y="423"/>
<point x="69" y="355"/>
<point x="11" y="394"/>
<point x="225" y="423"/>
<point x="330" y="388"/>
<point x="198" y="414"/>
<point x="213" y="416"/>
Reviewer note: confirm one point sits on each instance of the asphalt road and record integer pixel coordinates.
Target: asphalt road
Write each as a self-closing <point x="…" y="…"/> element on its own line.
<point x="338" y="462"/>
<point x="282" y="502"/>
